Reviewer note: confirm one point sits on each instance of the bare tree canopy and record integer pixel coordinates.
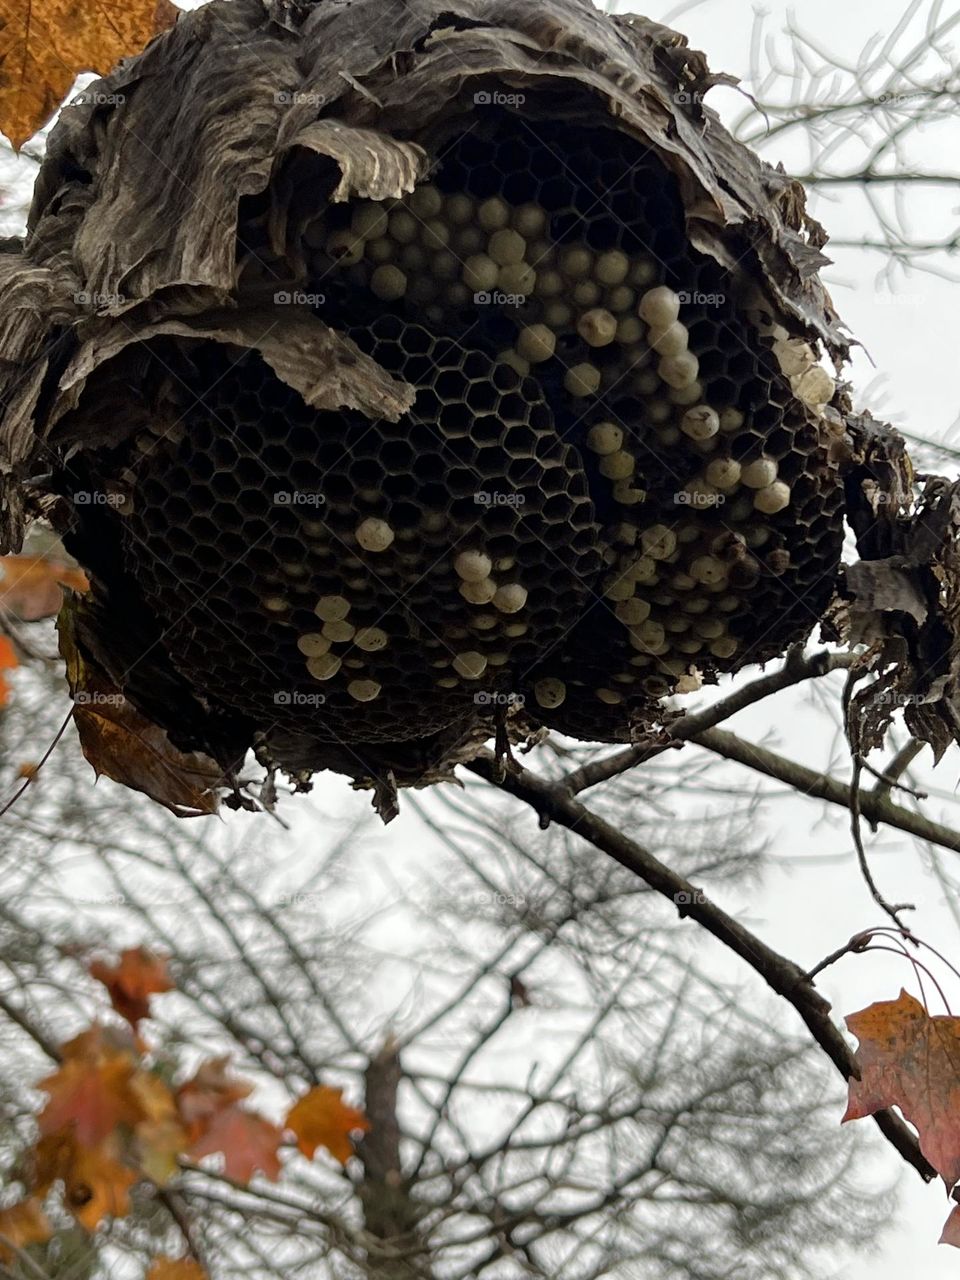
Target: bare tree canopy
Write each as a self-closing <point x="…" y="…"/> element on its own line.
<point x="449" y="397"/>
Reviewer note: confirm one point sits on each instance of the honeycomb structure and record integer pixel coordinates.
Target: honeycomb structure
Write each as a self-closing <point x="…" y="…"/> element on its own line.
<point x="613" y="481"/>
<point x="363" y="576"/>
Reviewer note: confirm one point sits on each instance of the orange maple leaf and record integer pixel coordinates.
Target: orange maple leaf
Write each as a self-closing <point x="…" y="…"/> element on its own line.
<point x="322" y="1119"/>
<point x="247" y="1142"/>
<point x="30" y="586"/>
<point x="176" y="1269"/>
<point x="139" y="975"/>
<point x="912" y="1061"/>
<point x="22" y="1224"/>
<point x="207" y="1093"/>
<point x="95" y="1180"/>
<point x="98" y="1185"/>
<point x="45" y="43"/>
<point x="8" y="662"/>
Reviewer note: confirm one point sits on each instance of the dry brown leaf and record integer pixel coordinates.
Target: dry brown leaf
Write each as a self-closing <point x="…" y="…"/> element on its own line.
<point x="107" y="1123"/>
<point x="322" y="1119"/>
<point x="98" y="1184"/>
<point x="31" y="586"/>
<point x="138" y="754"/>
<point x="45" y="44"/>
<point x="122" y="744"/>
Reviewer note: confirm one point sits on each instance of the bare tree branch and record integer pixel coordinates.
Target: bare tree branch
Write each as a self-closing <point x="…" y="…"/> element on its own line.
<point x="784" y="976"/>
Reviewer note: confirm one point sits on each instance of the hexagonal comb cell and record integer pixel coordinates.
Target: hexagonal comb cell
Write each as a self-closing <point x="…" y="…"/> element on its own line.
<point x="612" y="481"/>
<point x="363" y="580"/>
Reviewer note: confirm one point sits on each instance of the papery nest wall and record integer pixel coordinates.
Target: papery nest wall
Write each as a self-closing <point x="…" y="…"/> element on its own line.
<point x="402" y="378"/>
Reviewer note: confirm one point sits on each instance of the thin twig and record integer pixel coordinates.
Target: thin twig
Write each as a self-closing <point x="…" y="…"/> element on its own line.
<point x="43" y="760"/>
<point x="820" y="786"/>
<point x="890" y="909"/>
<point x="786" y="978"/>
<point x="890" y="777"/>
<point x="796" y="668"/>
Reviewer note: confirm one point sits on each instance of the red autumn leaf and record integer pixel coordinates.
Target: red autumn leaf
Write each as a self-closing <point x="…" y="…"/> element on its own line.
<point x="322" y="1119"/>
<point x="100" y="1095"/>
<point x="30" y="586"/>
<point x="247" y="1142"/>
<point x="176" y="1269"/>
<point x="89" y="1099"/>
<point x="8" y="662"/>
<point x="208" y="1093"/>
<point x="22" y="1224"/>
<point x="130" y="983"/>
<point x="912" y="1061"/>
<point x="98" y="1043"/>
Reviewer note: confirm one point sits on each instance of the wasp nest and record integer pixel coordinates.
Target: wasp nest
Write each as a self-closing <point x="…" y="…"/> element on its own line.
<point x="507" y="395"/>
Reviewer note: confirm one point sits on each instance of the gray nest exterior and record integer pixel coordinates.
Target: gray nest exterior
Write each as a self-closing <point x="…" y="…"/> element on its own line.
<point x="402" y="377"/>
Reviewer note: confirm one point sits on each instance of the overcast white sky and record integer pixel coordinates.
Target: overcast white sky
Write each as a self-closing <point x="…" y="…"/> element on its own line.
<point x="910" y="328"/>
<point x="815" y="901"/>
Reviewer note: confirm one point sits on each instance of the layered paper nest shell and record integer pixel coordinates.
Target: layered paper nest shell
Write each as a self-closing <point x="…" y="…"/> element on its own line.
<point x="394" y="388"/>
